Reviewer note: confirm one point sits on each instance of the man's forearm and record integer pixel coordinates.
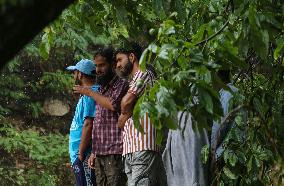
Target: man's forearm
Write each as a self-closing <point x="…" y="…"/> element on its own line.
<point x="123" y="118"/>
<point x="102" y="100"/>
<point x="85" y="137"/>
<point x="128" y="103"/>
<point x="127" y="106"/>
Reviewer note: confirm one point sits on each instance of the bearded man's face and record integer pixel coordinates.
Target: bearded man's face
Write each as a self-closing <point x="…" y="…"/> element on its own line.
<point x="123" y="65"/>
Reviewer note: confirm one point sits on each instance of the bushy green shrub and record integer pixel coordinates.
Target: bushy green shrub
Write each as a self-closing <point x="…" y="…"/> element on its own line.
<point x="32" y="157"/>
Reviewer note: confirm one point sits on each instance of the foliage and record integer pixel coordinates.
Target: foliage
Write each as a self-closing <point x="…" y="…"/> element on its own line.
<point x="187" y="42"/>
<point x="24" y="86"/>
<point x="33" y="151"/>
<point x="36" y="156"/>
<point x="57" y="82"/>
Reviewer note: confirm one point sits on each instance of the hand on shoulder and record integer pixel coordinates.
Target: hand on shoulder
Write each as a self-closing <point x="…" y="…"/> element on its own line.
<point x="85" y="90"/>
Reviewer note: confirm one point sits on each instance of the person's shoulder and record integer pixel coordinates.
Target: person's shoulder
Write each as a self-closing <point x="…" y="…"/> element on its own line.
<point x="232" y="87"/>
<point x="88" y="99"/>
<point x="80" y="101"/>
<point x="150" y="72"/>
<point x="121" y="82"/>
<point x="95" y="87"/>
<point x="139" y="73"/>
<point x="229" y="89"/>
<point x="148" y="75"/>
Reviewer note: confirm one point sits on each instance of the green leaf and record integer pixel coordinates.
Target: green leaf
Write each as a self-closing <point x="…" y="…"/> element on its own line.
<point x="171" y="123"/>
<point x="157" y="123"/>
<point x="152" y="31"/>
<point x="166" y="106"/>
<point x="199" y="36"/>
<point x="280" y="48"/>
<point x="143" y="60"/>
<point x="206" y="100"/>
<point x="153" y="47"/>
<point x="163" y="111"/>
<point x="196" y="57"/>
<point x="44" y="50"/>
<point x="260" y="38"/>
<point x="160" y="136"/>
<point x="269" y="17"/>
<point x="229" y="173"/>
<point x="226" y="155"/>
<point x="184" y="75"/>
<point x="233" y="159"/>
<point x="257" y="162"/>
<point x="265" y="41"/>
<point x="253" y="18"/>
<point x="258" y="106"/>
<point x="164" y="51"/>
<point x="121" y="13"/>
<point x="204" y="74"/>
<point x="181" y="9"/>
<point x="250" y="164"/>
<point x="201" y="121"/>
<point x="239" y="120"/>
<point x="158" y="7"/>
<point x="136" y="115"/>
<point x="205" y="153"/>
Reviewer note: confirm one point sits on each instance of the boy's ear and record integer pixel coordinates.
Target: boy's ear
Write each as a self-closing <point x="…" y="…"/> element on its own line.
<point x="79" y="75"/>
<point x="75" y="74"/>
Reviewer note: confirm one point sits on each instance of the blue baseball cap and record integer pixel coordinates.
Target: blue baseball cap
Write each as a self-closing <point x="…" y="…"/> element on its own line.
<point x="85" y="66"/>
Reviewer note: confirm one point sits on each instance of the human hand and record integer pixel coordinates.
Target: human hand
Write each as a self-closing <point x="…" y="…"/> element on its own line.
<point x="85" y="90"/>
<point x="81" y="157"/>
<point x="91" y="161"/>
<point x="121" y="121"/>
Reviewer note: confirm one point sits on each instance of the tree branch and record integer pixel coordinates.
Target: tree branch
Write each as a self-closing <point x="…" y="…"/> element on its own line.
<point x="224" y="125"/>
<point x="214" y="35"/>
<point x="231" y="114"/>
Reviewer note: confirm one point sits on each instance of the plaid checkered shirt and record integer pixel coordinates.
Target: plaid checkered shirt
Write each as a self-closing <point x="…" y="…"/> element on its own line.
<point x="107" y="137"/>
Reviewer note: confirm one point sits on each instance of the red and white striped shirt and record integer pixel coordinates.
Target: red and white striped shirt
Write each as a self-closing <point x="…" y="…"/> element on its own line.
<point x="133" y="140"/>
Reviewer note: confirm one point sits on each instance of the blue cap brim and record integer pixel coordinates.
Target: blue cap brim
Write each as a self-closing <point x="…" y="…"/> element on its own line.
<point x="71" y="68"/>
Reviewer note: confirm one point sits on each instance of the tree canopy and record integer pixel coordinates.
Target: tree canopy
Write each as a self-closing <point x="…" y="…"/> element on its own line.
<point x="188" y="42"/>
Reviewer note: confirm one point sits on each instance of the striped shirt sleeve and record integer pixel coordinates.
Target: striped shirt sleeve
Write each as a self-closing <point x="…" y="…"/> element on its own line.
<point x="139" y="83"/>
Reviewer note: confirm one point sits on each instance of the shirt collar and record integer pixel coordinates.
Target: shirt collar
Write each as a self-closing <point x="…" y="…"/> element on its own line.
<point x="110" y="84"/>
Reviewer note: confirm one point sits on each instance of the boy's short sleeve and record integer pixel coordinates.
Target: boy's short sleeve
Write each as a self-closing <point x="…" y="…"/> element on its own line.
<point x="89" y="107"/>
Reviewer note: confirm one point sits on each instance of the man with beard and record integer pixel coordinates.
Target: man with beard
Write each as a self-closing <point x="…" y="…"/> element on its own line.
<point x="143" y="162"/>
<point x="82" y="123"/>
<point x="107" y="137"/>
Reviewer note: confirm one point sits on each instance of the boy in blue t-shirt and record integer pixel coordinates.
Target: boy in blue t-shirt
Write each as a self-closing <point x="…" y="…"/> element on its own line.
<point x="81" y="128"/>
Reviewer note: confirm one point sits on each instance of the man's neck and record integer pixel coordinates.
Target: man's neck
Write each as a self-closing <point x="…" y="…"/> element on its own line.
<point x="87" y="83"/>
<point x="110" y="81"/>
<point x="135" y="68"/>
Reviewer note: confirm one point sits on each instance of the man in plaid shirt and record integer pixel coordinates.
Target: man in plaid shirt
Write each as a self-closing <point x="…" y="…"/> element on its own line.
<point x="107" y="137"/>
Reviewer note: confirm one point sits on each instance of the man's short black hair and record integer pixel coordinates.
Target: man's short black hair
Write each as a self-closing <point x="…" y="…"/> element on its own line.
<point x="106" y="52"/>
<point x="130" y="47"/>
